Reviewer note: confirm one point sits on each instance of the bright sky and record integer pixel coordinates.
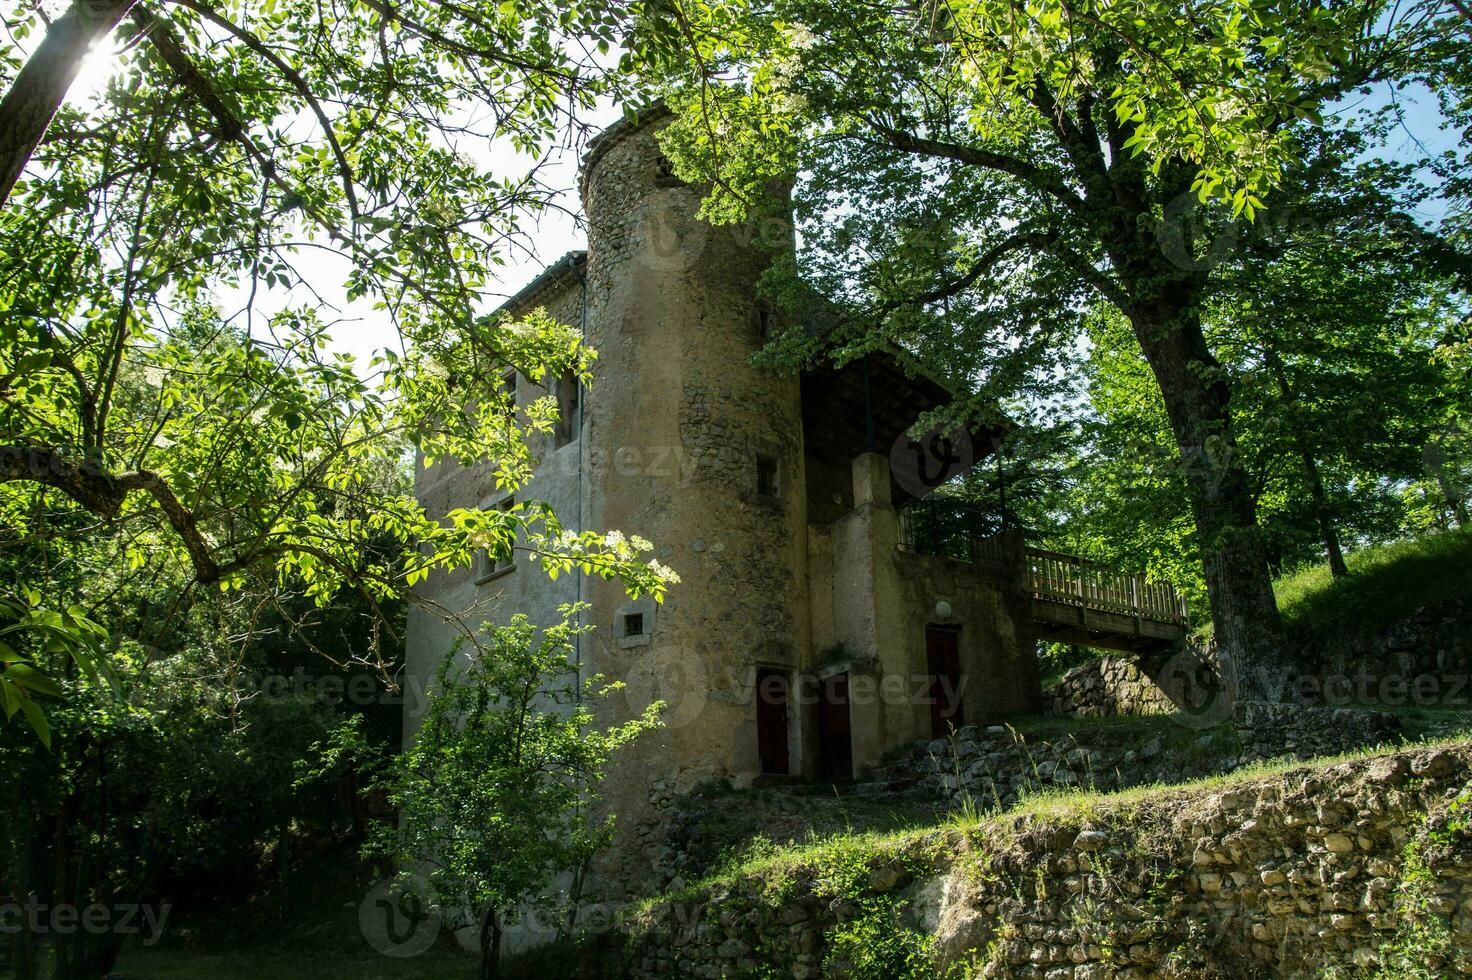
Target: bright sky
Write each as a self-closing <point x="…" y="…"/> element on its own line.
<point x="362" y="331"/>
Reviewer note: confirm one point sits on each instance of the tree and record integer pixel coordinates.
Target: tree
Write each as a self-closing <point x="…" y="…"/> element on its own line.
<point x="229" y="148"/>
<point x="973" y="161"/>
<point x="494" y="797"/>
<point x="1334" y="329"/>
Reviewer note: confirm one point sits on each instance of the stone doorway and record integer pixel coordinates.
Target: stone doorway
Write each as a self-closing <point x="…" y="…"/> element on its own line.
<point x="943" y="664"/>
<point x="835" y="736"/>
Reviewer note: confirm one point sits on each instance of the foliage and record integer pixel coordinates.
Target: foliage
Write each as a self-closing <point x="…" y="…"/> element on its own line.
<point x="1387" y="583"/>
<point x="1345" y="388"/>
<point x="874" y="945"/>
<point x="227" y="152"/>
<point x="1252" y="70"/>
<point x="23" y="622"/>
<point x="494" y="796"/>
<point x="170" y="787"/>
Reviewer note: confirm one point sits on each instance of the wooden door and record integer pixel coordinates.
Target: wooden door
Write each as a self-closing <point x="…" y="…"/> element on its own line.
<point x="943" y="663"/>
<point x="771" y="720"/>
<point x="835" y="741"/>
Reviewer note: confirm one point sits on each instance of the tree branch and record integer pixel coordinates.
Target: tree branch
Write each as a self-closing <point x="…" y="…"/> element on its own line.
<point x="297" y="81"/>
<point x="1033" y="175"/>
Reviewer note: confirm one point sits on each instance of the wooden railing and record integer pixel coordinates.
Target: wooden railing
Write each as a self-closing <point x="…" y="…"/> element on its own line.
<point x="1072" y="581"/>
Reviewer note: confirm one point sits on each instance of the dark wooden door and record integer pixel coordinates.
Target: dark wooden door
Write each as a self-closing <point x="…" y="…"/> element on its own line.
<point x="771" y="720"/>
<point x="835" y="741"/>
<point x="943" y="662"/>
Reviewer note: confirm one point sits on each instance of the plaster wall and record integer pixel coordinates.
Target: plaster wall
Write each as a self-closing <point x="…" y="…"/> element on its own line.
<point x="468" y="593"/>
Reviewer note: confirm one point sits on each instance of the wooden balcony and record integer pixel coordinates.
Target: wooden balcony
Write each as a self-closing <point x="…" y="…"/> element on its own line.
<point x="1073" y="600"/>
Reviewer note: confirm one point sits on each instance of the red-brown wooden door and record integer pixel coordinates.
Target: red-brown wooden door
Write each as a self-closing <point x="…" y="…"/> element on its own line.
<point x="771" y="720"/>
<point x="943" y="663"/>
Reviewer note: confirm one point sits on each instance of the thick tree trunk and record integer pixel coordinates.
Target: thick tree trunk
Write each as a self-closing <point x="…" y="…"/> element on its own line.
<point x="41" y="87"/>
<point x="1234" y="559"/>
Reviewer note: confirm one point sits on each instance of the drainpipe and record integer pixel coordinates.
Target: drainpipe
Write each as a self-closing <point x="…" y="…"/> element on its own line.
<point x="572" y="264"/>
<point x="868" y="410"/>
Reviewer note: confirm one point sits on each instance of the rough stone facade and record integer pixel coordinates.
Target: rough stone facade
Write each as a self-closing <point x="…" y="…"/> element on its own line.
<point x="682" y="440"/>
<point x="1312" y="873"/>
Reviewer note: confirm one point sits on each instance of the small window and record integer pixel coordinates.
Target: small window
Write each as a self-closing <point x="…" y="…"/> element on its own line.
<point x="568" y="407"/>
<point x="634" y="624"/>
<point x="664" y="174"/>
<point x="508" y="386"/>
<point x="764" y="324"/>
<point x="491" y="566"/>
<point x="766" y="476"/>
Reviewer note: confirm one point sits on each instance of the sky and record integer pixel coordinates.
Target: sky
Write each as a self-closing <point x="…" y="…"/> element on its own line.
<point x="361" y="330"/>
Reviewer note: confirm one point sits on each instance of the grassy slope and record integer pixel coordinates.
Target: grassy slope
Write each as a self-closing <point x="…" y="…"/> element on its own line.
<point x="1068" y="806"/>
<point x="1385" y="584"/>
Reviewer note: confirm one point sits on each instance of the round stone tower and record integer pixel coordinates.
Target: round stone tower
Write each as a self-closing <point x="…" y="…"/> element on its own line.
<point x="689" y="445"/>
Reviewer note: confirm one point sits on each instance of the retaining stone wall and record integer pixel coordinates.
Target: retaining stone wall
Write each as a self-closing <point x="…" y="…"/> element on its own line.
<point x="1300" y="874"/>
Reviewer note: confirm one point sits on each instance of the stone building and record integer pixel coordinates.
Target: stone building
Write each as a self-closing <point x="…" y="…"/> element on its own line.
<point x="810" y="631"/>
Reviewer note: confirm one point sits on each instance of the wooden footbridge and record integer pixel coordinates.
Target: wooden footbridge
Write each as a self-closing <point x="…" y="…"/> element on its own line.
<point x="1073" y="600"/>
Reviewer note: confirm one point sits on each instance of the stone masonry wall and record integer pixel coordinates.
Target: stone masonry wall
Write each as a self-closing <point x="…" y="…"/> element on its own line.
<point x="1103" y="687"/>
<point x="1312" y="872"/>
<point x="1424" y="659"/>
<point x="995" y="766"/>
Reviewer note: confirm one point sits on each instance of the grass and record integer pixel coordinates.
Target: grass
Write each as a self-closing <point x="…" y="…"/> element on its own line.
<point x="736" y="825"/>
<point x="1077" y="804"/>
<point x="1385" y="584"/>
<point x="1057" y="806"/>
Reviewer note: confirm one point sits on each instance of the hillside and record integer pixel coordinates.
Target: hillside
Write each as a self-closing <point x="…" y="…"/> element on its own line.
<point x="1386" y="584"/>
<point x="1352" y="867"/>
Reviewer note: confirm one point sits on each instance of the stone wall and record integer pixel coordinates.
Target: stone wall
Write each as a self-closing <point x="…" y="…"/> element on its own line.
<point x="995" y="766"/>
<point x="1311" y="872"/>
<point x="1103" y="687"/>
<point x="1422" y="660"/>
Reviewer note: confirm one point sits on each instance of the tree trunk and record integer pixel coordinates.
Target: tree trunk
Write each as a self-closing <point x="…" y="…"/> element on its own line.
<point x="1327" y="530"/>
<point x="1234" y="559"/>
<point x="490" y="946"/>
<point x="1320" y="499"/>
<point x="41" y="87"/>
